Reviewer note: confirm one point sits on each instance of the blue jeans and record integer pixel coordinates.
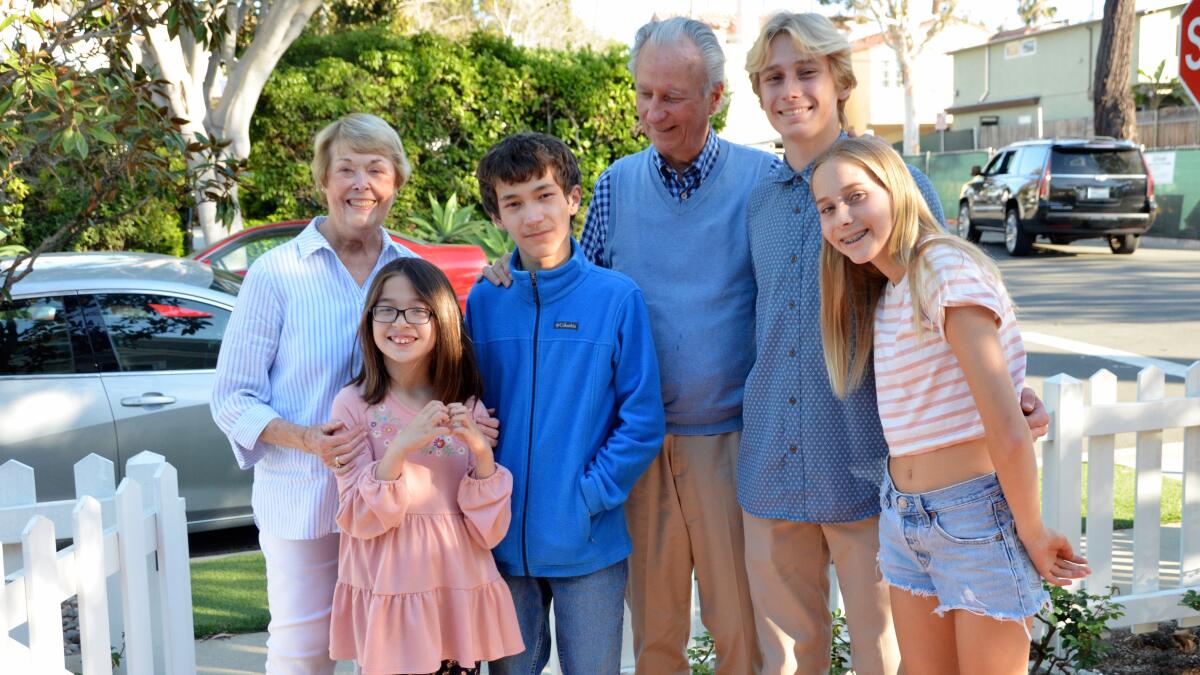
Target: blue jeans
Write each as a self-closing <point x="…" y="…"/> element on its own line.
<point x="588" y="614"/>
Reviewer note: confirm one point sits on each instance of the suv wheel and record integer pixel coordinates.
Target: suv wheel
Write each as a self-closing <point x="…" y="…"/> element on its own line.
<point x="966" y="229"/>
<point x="1123" y="244"/>
<point x="1016" y="241"/>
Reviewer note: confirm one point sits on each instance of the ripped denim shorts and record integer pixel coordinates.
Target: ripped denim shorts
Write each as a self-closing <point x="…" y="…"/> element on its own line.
<point x="958" y="544"/>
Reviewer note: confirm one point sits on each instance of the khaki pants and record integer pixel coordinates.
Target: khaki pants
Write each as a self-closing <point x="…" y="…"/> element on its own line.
<point x="788" y="564"/>
<point x="683" y="514"/>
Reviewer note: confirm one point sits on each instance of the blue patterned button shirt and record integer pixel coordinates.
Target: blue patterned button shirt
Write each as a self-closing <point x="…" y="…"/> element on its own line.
<point x="594" y="240"/>
<point x="805" y="455"/>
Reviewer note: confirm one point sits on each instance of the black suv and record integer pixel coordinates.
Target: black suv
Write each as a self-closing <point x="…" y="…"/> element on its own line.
<point x="1062" y="189"/>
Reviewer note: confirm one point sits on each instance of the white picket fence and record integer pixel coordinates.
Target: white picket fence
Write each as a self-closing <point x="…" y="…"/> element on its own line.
<point x="127" y="565"/>
<point x="1147" y="600"/>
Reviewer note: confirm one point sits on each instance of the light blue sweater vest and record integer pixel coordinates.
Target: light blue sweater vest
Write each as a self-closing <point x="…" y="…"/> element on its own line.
<point x="692" y="262"/>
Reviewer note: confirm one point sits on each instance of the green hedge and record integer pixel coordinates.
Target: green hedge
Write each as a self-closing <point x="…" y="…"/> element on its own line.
<point x="449" y="100"/>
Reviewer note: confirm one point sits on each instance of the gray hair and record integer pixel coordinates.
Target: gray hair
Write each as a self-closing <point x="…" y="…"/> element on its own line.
<point x="673" y="30"/>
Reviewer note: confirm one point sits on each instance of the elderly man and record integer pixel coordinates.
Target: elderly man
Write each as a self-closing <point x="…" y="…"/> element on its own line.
<point x="673" y="217"/>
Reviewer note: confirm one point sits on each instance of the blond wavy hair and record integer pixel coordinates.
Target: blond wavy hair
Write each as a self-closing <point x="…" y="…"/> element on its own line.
<point x="850" y="292"/>
<point x="813" y="36"/>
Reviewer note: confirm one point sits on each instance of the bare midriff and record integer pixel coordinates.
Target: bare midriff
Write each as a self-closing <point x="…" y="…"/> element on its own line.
<point x="926" y="471"/>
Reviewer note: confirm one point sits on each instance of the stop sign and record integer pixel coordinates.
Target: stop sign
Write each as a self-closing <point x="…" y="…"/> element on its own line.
<point x="1189" y="50"/>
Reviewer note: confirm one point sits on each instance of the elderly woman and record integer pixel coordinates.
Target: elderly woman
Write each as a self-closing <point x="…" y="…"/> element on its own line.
<point x="289" y="347"/>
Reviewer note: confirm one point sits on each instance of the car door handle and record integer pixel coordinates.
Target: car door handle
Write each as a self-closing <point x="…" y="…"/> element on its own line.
<point x="148" y="398"/>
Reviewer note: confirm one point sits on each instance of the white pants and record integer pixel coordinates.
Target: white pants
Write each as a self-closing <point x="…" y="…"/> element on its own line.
<point x="300" y="578"/>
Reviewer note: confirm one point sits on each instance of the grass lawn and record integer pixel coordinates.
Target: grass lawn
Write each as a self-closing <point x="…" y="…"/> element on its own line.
<point x="229" y="595"/>
<point x="1123" y="498"/>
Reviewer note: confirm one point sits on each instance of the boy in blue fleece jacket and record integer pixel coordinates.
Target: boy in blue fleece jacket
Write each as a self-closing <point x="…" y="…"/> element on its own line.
<point x="568" y="362"/>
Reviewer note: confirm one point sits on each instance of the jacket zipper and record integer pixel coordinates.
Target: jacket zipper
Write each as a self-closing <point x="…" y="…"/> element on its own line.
<point x="537" y="321"/>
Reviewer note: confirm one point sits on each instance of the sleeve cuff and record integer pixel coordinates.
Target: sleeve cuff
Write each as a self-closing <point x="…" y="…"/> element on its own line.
<point x="246" y="447"/>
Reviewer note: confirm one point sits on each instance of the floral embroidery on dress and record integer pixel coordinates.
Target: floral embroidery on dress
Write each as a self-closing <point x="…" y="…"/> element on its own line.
<point x="385" y="426"/>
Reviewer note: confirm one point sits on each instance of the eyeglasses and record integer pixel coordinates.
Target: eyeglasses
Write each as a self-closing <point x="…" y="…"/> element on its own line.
<point x="416" y="316"/>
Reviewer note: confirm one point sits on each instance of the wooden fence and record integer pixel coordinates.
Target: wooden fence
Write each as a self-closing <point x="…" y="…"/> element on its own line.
<point x="127" y="565"/>
<point x="1163" y="128"/>
<point x="1147" y="599"/>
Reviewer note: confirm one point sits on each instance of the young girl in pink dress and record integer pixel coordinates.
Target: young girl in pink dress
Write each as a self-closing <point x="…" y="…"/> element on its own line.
<point x="422" y="507"/>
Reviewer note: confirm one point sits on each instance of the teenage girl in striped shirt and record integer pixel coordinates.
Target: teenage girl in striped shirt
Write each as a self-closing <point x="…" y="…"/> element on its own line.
<point x="962" y="544"/>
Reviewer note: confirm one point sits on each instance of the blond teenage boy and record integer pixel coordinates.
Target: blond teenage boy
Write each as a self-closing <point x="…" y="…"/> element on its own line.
<point x="809" y="464"/>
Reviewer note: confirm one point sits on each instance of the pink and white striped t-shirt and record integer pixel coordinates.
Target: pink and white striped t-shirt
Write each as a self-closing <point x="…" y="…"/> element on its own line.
<point x="924" y="401"/>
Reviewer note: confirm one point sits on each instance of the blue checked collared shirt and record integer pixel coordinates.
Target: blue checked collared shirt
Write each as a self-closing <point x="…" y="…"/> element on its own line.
<point x="288" y="349"/>
<point x="594" y="240"/>
<point x="805" y="455"/>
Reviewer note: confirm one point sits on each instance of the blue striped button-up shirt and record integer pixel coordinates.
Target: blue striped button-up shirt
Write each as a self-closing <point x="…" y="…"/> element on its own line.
<point x="805" y="455"/>
<point x="594" y="240"/>
<point x="289" y="348"/>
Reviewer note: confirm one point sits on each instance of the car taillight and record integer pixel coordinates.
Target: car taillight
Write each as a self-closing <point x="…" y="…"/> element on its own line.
<point x="1044" y="186"/>
<point x="1149" y="178"/>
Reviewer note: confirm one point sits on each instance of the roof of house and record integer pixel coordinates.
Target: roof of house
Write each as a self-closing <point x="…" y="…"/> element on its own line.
<point x="1023" y="32"/>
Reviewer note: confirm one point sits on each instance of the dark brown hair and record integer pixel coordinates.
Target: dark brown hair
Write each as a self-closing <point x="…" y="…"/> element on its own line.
<point x="452" y="368"/>
<point x="524" y="157"/>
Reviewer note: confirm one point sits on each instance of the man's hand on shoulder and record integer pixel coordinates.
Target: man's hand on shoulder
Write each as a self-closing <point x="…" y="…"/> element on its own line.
<point x="499" y="272"/>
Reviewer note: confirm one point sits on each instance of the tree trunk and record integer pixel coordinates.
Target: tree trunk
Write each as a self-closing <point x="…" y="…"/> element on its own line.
<point x="912" y="128"/>
<point x="1113" y="104"/>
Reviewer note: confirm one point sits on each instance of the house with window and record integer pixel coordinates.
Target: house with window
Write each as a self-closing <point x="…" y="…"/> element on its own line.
<point x="1036" y="82"/>
<point x="878" y="101"/>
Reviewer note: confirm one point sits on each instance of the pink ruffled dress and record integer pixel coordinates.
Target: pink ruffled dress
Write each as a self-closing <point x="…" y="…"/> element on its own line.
<point x="416" y="580"/>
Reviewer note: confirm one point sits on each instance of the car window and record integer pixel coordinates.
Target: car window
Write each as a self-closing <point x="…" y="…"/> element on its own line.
<point x="240" y="258"/>
<point x="152" y="332"/>
<point x="35" y="337"/>
<point x="999" y="164"/>
<point x="1031" y="161"/>
<point x="1096" y="161"/>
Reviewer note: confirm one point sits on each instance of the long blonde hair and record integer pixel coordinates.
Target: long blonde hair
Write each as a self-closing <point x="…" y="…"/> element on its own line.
<point x="850" y="292"/>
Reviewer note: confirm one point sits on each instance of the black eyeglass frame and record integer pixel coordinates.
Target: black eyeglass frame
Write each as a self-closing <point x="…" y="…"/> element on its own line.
<point x="413" y="320"/>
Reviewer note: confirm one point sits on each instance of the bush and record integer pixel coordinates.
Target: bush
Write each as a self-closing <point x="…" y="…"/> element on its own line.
<point x="450" y="101"/>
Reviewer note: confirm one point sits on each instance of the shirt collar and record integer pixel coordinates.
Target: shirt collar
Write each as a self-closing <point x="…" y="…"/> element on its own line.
<point x="311" y="240"/>
<point x="783" y="172"/>
<point x="703" y="163"/>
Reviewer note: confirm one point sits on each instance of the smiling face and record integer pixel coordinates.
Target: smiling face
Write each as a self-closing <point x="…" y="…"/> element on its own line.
<point x="537" y="215"/>
<point x="359" y="189"/>
<point x="799" y="94"/>
<point x="856" y="212"/>
<point x="406" y="348"/>
<point x="671" y="101"/>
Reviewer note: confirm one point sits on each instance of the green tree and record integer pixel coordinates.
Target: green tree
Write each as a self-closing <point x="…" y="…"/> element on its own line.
<point x="1034" y="12"/>
<point x="85" y="142"/>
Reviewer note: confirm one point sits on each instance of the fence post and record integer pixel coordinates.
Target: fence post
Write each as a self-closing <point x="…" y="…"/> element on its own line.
<point x="1100" y="490"/>
<point x="1148" y="496"/>
<point x="42" y="595"/>
<point x="1062" y="456"/>
<point x="91" y="586"/>
<point x="174" y="574"/>
<point x="135" y="582"/>
<point x="1189" y="535"/>
<point x="19" y="490"/>
<point x="95" y="476"/>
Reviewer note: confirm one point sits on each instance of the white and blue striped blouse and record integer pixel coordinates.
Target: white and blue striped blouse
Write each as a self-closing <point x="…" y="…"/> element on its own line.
<point x="290" y="346"/>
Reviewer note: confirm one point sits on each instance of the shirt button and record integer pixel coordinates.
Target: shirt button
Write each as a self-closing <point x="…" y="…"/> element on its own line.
<point x="791" y="352"/>
<point x="791" y="304"/>
<point x="792" y="400"/>
<point x="796" y="210"/>
<point x="792" y="449"/>
<point x="902" y="502"/>
<point x="795" y="258"/>
<point x="683" y="196"/>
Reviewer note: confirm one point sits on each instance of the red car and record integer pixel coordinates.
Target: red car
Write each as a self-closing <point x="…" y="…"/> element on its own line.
<point x="235" y="253"/>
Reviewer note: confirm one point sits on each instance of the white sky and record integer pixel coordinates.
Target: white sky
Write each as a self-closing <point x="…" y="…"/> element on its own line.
<point x="620" y="19"/>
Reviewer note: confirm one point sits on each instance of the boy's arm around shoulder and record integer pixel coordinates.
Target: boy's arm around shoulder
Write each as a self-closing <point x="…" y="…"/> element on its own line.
<point x="367" y="507"/>
<point x="637" y="434"/>
<point x="929" y="193"/>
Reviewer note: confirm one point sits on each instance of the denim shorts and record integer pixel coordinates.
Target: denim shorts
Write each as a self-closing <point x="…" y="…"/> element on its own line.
<point x="958" y="544"/>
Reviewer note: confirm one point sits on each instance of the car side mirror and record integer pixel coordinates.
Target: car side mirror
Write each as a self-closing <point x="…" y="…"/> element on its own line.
<point x="976" y="170"/>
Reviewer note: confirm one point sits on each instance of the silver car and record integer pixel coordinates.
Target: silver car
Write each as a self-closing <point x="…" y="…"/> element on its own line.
<point x="114" y="353"/>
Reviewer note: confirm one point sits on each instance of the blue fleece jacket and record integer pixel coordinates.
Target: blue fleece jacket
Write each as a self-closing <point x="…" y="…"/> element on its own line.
<point x="568" y="362"/>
